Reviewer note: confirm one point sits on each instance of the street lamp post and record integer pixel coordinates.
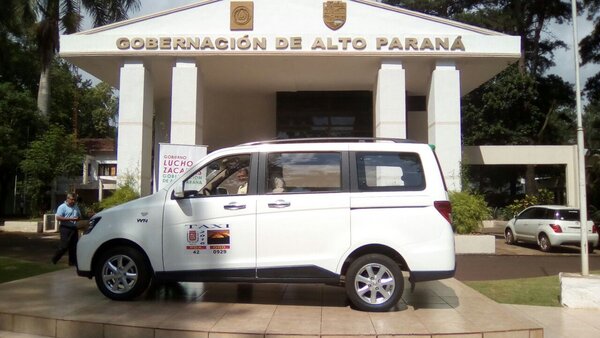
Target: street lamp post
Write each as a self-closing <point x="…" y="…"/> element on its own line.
<point x="580" y="152"/>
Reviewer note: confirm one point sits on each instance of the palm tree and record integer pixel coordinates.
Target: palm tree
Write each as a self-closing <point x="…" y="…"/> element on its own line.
<point x="65" y="16"/>
<point x="15" y="16"/>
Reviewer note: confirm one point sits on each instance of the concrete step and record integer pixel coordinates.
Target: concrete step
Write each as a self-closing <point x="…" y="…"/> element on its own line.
<point x="9" y="334"/>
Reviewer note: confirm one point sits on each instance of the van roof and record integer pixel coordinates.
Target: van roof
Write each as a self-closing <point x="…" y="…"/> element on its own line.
<point x="331" y="140"/>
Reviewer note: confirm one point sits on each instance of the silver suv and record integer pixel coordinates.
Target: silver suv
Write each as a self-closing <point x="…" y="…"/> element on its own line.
<point x="548" y="226"/>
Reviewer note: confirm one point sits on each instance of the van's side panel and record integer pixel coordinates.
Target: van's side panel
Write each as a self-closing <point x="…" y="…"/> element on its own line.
<point x="406" y="221"/>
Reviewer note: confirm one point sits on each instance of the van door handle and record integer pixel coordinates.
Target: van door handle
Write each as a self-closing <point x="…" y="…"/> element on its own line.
<point x="234" y="206"/>
<point x="279" y="204"/>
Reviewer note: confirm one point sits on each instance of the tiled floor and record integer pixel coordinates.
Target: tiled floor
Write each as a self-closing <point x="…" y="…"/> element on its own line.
<point x="562" y="322"/>
<point x="60" y="304"/>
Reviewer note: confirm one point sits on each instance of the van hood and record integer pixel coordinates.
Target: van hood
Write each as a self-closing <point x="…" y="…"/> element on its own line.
<point x="146" y="202"/>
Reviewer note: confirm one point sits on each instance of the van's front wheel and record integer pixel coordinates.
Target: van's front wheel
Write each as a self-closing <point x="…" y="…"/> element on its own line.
<point x="122" y="273"/>
<point x="374" y="283"/>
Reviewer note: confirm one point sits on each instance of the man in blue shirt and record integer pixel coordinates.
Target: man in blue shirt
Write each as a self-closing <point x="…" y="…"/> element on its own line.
<point x="68" y="214"/>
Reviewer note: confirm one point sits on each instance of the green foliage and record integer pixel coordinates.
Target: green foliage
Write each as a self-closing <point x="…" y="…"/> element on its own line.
<point x="125" y="192"/>
<point x="542" y="197"/>
<point x="468" y="210"/>
<point x="13" y="269"/>
<point x="54" y="154"/>
<point x="593" y="185"/>
<point x="18" y="116"/>
<point x="97" y="112"/>
<point x="515" y="108"/>
<point x="75" y="104"/>
<point x="526" y="19"/>
<point x="540" y="291"/>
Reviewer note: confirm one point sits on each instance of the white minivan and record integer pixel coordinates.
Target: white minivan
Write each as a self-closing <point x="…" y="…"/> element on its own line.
<point x="353" y="212"/>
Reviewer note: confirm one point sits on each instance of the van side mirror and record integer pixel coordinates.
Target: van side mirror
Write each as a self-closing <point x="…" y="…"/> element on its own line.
<point x="178" y="192"/>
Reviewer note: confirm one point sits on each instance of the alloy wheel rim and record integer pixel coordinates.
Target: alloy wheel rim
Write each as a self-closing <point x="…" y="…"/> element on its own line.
<point x="374" y="283"/>
<point x="544" y="243"/>
<point x="119" y="274"/>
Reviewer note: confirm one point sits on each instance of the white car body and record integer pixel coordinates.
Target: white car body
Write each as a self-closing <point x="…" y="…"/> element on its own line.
<point x="293" y="236"/>
<point x="559" y="224"/>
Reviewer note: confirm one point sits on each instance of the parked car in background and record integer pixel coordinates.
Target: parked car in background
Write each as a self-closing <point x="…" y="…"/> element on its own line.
<point x="549" y="226"/>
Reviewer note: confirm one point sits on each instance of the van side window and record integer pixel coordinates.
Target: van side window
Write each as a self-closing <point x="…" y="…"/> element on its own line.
<point x="389" y="171"/>
<point x="224" y="176"/>
<point x="303" y="172"/>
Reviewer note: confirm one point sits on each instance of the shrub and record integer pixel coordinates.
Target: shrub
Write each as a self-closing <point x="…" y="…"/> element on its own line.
<point x="542" y="197"/>
<point x="468" y="210"/>
<point x="124" y="193"/>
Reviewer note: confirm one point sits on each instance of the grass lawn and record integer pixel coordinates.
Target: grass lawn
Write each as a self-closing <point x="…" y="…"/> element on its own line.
<point x="13" y="269"/>
<point x="542" y="291"/>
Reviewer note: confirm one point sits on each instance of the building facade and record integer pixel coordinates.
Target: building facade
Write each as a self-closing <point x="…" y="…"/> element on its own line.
<point x="221" y="72"/>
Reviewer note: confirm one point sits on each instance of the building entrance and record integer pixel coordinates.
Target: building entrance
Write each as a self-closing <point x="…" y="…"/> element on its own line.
<point x="324" y="114"/>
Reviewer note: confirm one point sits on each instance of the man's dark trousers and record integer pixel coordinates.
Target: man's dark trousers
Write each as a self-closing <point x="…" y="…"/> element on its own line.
<point x="68" y="242"/>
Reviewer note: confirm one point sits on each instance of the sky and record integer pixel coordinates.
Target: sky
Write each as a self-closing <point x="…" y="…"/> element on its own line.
<point x="564" y="59"/>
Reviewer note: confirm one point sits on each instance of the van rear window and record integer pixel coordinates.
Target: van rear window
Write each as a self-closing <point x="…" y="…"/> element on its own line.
<point x="389" y="171"/>
<point x="567" y="215"/>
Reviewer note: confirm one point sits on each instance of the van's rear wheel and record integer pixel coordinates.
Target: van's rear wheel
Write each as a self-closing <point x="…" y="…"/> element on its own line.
<point x="374" y="282"/>
<point x="122" y="273"/>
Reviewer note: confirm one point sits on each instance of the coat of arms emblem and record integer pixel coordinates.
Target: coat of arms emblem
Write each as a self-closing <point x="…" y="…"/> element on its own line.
<point x="192" y="236"/>
<point x="334" y="14"/>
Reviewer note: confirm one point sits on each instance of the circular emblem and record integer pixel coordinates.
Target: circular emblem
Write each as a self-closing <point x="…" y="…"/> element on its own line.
<point x="241" y="15"/>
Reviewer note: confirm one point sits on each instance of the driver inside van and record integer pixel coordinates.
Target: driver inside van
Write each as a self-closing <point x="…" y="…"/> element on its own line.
<point x="242" y="177"/>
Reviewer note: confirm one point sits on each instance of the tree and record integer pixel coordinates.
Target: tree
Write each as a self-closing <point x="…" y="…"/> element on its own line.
<point x="65" y="16"/>
<point x="521" y="105"/>
<point x="15" y="17"/>
<point x="54" y="154"/>
<point x="18" y="121"/>
<point x="98" y="112"/>
<point x="527" y="19"/>
<point x="17" y="51"/>
<point x="589" y="49"/>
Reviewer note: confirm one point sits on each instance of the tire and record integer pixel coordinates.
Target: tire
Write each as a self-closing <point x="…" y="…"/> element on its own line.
<point x="509" y="237"/>
<point x="544" y="243"/>
<point x="374" y="283"/>
<point x="591" y="248"/>
<point x="122" y="273"/>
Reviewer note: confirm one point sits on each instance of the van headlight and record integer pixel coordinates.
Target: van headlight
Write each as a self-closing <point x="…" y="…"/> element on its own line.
<point x="93" y="222"/>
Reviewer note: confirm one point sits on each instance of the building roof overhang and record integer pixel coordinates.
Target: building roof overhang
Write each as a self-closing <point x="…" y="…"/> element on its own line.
<point x="291" y="48"/>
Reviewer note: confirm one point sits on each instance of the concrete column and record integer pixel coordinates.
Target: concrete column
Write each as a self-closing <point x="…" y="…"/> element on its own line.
<point x="86" y="162"/>
<point x="390" y="101"/>
<point x="100" y="190"/>
<point x="136" y="109"/>
<point x="571" y="176"/>
<point x="187" y="104"/>
<point x="443" y="119"/>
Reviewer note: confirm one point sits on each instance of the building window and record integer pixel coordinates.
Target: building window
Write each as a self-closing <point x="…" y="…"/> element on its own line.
<point x="324" y="114"/>
<point x="107" y="169"/>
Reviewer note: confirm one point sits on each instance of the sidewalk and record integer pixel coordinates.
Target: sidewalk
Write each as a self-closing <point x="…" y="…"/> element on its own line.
<point x="38" y="306"/>
<point x="562" y="322"/>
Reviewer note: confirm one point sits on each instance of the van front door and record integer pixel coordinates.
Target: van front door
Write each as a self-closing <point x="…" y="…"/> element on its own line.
<point x="211" y="231"/>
